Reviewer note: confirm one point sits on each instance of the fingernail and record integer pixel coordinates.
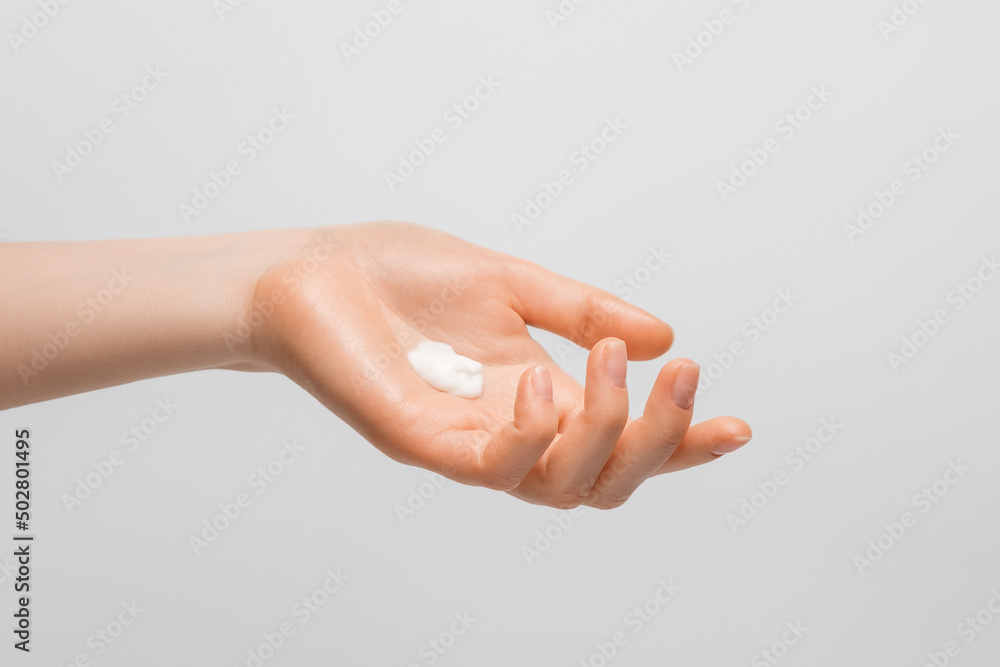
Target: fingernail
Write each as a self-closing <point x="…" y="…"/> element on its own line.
<point x="615" y="363"/>
<point x="541" y="382"/>
<point x="685" y="385"/>
<point x="731" y="445"/>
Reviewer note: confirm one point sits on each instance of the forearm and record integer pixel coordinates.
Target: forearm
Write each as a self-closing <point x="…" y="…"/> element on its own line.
<point x="78" y="316"/>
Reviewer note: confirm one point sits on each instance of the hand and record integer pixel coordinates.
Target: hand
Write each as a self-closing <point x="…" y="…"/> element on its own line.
<point x="349" y="305"/>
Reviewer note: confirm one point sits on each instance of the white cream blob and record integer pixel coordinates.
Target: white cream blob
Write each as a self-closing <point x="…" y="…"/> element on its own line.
<point x="439" y="366"/>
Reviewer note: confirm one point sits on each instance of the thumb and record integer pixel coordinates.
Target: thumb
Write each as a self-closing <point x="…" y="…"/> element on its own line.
<point x="581" y="313"/>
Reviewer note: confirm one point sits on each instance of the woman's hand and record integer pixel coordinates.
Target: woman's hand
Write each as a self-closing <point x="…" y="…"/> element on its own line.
<point x="339" y="314"/>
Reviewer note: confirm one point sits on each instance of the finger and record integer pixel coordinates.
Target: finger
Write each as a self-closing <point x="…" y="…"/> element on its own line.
<point x="706" y="442"/>
<point x="650" y="440"/>
<point x="584" y="314"/>
<point x="509" y="454"/>
<point x="576" y="458"/>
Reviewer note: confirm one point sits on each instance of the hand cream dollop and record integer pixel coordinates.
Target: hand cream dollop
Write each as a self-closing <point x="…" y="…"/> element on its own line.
<point x="439" y="366"/>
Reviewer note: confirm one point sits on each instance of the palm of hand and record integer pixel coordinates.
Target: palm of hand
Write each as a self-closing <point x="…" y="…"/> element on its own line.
<point x="344" y="326"/>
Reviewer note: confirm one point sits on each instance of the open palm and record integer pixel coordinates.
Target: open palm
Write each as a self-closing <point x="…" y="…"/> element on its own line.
<point x="348" y="314"/>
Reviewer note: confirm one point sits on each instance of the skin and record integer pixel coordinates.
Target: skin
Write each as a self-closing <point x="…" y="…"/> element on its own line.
<point x="335" y="310"/>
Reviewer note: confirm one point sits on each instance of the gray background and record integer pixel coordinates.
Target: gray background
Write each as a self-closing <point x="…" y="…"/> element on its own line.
<point x="336" y="506"/>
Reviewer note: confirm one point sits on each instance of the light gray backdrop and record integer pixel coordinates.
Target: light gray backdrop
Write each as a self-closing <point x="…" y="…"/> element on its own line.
<point x="859" y="527"/>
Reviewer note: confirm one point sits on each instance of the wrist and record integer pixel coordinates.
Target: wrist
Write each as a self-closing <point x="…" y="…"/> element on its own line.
<point x="274" y="295"/>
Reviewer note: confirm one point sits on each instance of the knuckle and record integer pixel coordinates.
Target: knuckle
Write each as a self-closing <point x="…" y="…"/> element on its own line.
<point x="569" y="499"/>
<point x="497" y="475"/>
<point x="669" y="445"/>
<point x="592" y="316"/>
<point x="618" y="419"/>
<point x="500" y="481"/>
<point x="610" y="492"/>
<point x="604" y="424"/>
<point x="607" y="502"/>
